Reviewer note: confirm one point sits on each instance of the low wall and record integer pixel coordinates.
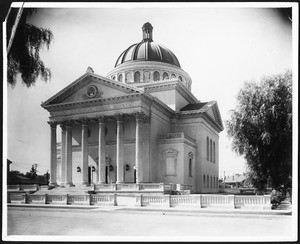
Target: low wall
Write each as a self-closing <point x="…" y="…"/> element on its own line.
<point x="22" y="188"/>
<point x="174" y="201"/>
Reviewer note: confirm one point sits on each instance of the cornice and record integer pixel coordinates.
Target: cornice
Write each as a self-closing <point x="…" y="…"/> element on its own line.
<point x="175" y="83"/>
<point x="79" y="82"/>
<point x="93" y="102"/>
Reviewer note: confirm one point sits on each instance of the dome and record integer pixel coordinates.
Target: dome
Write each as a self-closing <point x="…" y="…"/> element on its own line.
<point x="148" y="50"/>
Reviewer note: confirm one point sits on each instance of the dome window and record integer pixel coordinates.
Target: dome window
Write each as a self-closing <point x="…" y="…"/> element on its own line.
<point x="128" y="77"/>
<point x="156" y="76"/>
<point x="137" y="76"/>
<point x="120" y="78"/>
<point x="146" y="76"/>
<point x="165" y="76"/>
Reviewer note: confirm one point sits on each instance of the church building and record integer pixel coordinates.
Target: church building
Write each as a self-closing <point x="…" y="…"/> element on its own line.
<point x="139" y="124"/>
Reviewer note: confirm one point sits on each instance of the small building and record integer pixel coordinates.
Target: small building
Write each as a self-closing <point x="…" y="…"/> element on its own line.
<point x="139" y="124"/>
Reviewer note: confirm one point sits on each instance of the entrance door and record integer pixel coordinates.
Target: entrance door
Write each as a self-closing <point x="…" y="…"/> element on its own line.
<point x="134" y="175"/>
<point x="89" y="175"/>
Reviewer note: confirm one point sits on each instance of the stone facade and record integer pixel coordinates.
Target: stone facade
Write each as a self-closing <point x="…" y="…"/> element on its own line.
<point x="150" y="131"/>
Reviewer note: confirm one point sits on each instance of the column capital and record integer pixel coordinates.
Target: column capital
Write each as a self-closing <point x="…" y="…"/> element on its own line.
<point x="101" y="119"/>
<point x="52" y="124"/>
<point x="62" y="126"/>
<point x="68" y="123"/>
<point x="142" y="116"/>
<point x="84" y="121"/>
<point x="119" y="117"/>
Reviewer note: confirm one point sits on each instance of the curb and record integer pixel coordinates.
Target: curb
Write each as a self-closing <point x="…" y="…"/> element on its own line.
<point x="153" y="210"/>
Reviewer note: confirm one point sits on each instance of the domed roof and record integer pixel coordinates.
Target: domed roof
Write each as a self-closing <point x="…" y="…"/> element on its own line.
<point x="148" y="50"/>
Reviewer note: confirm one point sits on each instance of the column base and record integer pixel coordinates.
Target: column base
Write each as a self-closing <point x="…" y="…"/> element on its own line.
<point x="85" y="184"/>
<point x="69" y="184"/>
<point x="53" y="184"/>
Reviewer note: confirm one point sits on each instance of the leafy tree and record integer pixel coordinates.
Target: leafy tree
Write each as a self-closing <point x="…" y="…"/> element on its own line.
<point x="24" y="54"/>
<point x="261" y="129"/>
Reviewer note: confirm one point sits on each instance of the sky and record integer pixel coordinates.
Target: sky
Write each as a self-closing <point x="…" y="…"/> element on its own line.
<point x="220" y="47"/>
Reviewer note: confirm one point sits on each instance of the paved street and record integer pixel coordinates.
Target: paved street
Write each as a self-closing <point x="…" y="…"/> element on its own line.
<point x="116" y="223"/>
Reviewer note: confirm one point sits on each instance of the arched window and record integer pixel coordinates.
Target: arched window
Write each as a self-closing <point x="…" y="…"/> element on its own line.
<point x="165" y="76"/>
<point x="146" y="76"/>
<point x="128" y="77"/>
<point x="204" y="181"/>
<point x="214" y="152"/>
<point x="173" y="76"/>
<point x="120" y="78"/>
<point x="207" y="149"/>
<point x="114" y="78"/>
<point x="180" y="78"/>
<point x="156" y="76"/>
<point x="137" y="76"/>
<point x="210" y="150"/>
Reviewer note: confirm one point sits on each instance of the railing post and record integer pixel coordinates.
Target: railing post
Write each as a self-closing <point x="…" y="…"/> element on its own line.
<point x="169" y="199"/>
<point x="115" y="200"/>
<point x="138" y="201"/>
<point x="46" y="198"/>
<point x="67" y="199"/>
<point x="26" y="198"/>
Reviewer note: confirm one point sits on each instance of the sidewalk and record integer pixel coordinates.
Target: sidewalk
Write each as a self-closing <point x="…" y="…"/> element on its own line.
<point x="132" y="209"/>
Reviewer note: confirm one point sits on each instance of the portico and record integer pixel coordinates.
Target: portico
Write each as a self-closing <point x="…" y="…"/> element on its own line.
<point x="101" y="120"/>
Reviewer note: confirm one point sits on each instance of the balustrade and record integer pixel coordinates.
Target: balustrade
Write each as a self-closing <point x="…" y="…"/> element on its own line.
<point x="155" y="201"/>
<point x="104" y="200"/>
<point x="193" y="201"/>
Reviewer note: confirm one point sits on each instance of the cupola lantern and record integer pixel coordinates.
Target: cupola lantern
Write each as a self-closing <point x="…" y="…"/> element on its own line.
<point x="147" y="32"/>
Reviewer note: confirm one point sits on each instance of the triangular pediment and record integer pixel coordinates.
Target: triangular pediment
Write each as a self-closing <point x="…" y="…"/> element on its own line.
<point x="212" y="110"/>
<point x="91" y="86"/>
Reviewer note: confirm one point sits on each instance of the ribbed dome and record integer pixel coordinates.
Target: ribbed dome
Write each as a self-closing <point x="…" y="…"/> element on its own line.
<point x="147" y="50"/>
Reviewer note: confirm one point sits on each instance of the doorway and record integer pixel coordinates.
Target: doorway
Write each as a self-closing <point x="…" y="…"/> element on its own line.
<point x="89" y="175"/>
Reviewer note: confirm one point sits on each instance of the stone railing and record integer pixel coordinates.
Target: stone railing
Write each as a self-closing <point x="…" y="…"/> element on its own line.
<point x="16" y="188"/>
<point x="13" y="188"/>
<point x="57" y="199"/>
<point x="155" y="201"/>
<point x="189" y="201"/>
<point x="16" y="198"/>
<point x="252" y="202"/>
<point x="79" y="199"/>
<point x="193" y="201"/>
<point x="107" y="200"/>
<point x="217" y="201"/>
<point x="36" y="199"/>
<point x="127" y="187"/>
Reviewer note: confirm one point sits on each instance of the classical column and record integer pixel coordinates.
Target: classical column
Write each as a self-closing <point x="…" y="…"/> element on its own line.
<point x="139" y="147"/>
<point x="101" y="151"/>
<point x="68" y="152"/>
<point x="53" y="154"/>
<point x="84" y="151"/>
<point x="63" y="153"/>
<point x="120" y="149"/>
